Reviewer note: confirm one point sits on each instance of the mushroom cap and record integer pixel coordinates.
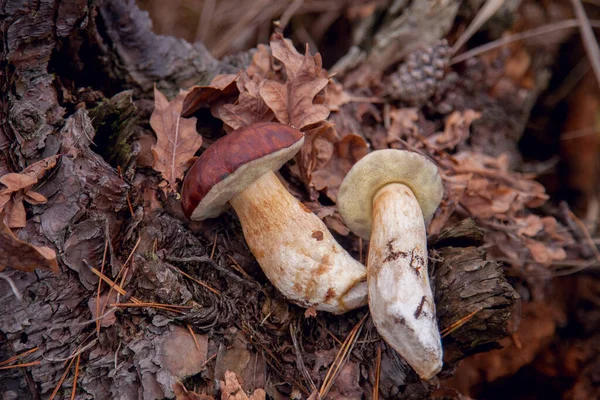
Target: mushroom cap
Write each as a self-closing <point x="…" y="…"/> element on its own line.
<point x="234" y="162"/>
<point x="382" y="167"/>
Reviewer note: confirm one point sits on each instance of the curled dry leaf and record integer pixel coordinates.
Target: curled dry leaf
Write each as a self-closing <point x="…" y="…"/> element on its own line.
<point x="181" y="393"/>
<point x="318" y="148"/>
<point x="197" y="97"/>
<point x="176" y="138"/>
<point x="543" y="253"/>
<point x="18" y="188"/>
<point x="249" y="108"/>
<point x="21" y="255"/>
<point x="456" y="130"/>
<point x="494" y="191"/>
<point x="404" y="124"/>
<point x="292" y="101"/>
<point x="347" y="152"/>
<point x="261" y="63"/>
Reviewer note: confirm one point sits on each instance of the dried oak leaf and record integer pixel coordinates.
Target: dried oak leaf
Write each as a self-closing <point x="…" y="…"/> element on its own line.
<point x="404" y="124"/>
<point x="181" y="393"/>
<point x="18" y="189"/>
<point x="249" y="108"/>
<point x="176" y="138"/>
<point x="21" y="255"/>
<point x="232" y="390"/>
<point x="197" y="97"/>
<point x="347" y="152"/>
<point x="261" y="63"/>
<point x="319" y="144"/>
<point x="292" y="102"/>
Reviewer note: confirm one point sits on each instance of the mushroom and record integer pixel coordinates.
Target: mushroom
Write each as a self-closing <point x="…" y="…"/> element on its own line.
<point x="293" y="246"/>
<point x="388" y="197"/>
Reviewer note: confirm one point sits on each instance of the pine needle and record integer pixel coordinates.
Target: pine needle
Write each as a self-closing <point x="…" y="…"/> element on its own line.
<point x="377" y="374"/>
<point x="341" y="357"/>
<point x="214" y="246"/>
<point x="199" y="282"/>
<point x="75" y="377"/>
<point x="99" y="287"/>
<point x="458" y="324"/>
<point x="112" y="284"/>
<point x="160" y="306"/>
<point x="29" y="364"/>
<point x="23" y="354"/>
<point x="193" y="337"/>
<point x="61" y="380"/>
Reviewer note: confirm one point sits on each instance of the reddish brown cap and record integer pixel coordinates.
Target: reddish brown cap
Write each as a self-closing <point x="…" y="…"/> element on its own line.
<point x="232" y="163"/>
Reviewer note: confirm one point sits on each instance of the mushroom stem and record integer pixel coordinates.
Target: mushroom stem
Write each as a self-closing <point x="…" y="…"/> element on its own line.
<point x="296" y="250"/>
<point x="400" y="297"/>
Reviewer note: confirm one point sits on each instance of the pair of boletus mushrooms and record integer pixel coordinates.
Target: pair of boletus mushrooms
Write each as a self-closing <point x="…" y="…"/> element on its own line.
<point x="387" y="197"/>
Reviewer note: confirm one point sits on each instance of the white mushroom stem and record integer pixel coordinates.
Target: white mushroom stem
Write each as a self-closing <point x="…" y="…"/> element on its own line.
<point x="400" y="297"/>
<point x="296" y="250"/>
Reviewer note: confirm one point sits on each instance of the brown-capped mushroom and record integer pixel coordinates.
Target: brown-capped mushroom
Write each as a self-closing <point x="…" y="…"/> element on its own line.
<point x="292" y="245"/>
<point x="388" y="197"/>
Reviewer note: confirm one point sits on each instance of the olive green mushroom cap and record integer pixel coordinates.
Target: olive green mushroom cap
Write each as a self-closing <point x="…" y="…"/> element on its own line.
<point x="382" y="167"/>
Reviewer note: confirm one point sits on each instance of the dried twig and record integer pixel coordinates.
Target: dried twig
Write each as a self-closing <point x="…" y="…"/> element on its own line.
<point x="588" y="38"/>
<point x="541" y="30"/>
<point x="485" y="13"/>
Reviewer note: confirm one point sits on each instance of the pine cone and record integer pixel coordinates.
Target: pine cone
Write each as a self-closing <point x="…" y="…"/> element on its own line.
<point x="417" y="78"/>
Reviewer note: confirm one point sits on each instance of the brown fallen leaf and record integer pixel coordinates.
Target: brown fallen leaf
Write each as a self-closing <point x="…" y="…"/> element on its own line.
<point x="232" y="390"/>
<point x="249" y="108"/>
<point x="530" y="225"/>
<point x="181" y="393"/>
<point x="347" y="152"/>
<point x="456" y="130"/>
<point x="318" y="148"/>
<point x="18" y="189"/>
<point x="292" y="101"/>
<point x="197" y="97"/>
<point x="543" y="253"/>
<point x="404" y="124"/>
<point x="261" y="63"/>
<point x="176" y="138"/>
<point x="21" y="255"/>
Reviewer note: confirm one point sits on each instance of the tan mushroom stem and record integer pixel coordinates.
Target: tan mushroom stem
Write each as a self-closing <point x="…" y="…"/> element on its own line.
<point x="296" y="250"/>
<point x="400" y="297"/>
